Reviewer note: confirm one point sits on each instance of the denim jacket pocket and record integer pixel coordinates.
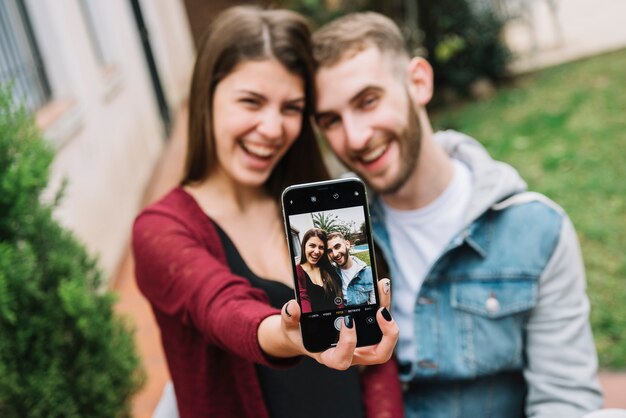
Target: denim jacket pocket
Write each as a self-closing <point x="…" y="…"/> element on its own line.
<point x="490" y="317"/>
<point x="359" y="292"/>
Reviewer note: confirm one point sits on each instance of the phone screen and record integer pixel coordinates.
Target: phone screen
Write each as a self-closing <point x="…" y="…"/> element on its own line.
<point x="328" y="231"/>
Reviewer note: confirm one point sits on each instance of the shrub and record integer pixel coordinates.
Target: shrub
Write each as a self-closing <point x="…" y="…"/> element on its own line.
<point x="461" y="40"/>
<point x="464" y="44"/>
<point x="63" y="353"/>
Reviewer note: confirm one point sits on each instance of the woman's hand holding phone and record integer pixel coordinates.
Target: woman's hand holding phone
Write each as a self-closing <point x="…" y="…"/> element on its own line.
<point x="345" y="353"/>
<point x="340" y="316"/>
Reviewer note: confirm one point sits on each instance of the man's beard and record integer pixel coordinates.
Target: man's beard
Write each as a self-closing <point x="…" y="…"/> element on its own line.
<point x="345" y="258"/>
<point x="409" y="141"/>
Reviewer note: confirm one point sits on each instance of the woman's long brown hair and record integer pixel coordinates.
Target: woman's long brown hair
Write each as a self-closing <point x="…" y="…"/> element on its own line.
<point x="329" y="277"/>
<point x="241" y="34"/>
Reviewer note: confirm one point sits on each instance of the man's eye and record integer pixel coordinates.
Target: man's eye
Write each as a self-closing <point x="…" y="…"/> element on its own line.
<point x="369" y="101"/>
<point x="328" y="122"/>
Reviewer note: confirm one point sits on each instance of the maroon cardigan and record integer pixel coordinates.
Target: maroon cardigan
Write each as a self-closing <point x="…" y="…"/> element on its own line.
<point x="209" y="317"/>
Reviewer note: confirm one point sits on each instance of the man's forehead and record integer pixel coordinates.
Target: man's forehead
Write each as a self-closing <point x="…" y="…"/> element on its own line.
<point x="339" y="83"/>
<point x="352" y="61"/>
<point x="334" y="240"/>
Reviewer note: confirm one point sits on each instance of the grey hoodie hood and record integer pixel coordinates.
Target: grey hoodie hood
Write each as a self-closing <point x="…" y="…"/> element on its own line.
<point x="492" y="181"/>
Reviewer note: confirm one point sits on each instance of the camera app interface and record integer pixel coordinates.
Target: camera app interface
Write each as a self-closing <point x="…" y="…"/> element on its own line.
<point x="332" y="259"/>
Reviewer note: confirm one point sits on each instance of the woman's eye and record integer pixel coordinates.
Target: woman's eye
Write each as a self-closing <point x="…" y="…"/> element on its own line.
<point x="250" y="102"/>
<point x="294" y="109"/>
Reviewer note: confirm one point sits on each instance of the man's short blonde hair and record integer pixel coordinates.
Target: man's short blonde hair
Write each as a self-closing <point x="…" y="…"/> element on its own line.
<point x="351" y="34"/>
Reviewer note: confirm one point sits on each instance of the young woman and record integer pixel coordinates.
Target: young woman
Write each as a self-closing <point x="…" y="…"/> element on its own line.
<point x="320" y="287"/>
<point x="211" y="256"/>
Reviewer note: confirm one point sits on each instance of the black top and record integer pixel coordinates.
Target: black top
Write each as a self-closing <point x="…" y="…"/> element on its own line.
<point x="307" y="390"/>
<point x="320" y="301"/>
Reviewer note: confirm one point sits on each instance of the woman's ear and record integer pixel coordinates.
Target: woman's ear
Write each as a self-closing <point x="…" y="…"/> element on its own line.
<point x="420" y="81"/>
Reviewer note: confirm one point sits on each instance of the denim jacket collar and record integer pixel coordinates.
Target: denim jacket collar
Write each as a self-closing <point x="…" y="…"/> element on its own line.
<point x="492" y="182"/>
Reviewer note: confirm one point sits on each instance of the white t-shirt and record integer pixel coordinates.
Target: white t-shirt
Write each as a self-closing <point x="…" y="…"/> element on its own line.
<point x="347" y="275"/>
<point x="418" y="237"/>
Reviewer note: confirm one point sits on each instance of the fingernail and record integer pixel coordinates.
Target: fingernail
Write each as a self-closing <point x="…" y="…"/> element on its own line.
<point x="386" y="314"/>
<point x="348" y="321"/>
<point x="386" y="287"/>
<point x="287" y="309"/>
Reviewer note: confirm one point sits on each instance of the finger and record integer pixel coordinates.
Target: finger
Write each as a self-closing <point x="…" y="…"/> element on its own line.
<point x="384" y="292"/>
<point x="390" y="332"/>
<point x="340" y="357"/>
<point x="382" y="351"/>
<point x="290" y="314"/>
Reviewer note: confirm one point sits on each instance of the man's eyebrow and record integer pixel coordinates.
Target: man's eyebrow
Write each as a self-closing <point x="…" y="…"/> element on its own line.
<point x="365" y="90"/>
<point x="320" y="115"/>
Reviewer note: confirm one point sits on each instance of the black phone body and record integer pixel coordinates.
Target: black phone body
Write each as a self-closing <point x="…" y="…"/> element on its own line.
<point x="333" y="206"/>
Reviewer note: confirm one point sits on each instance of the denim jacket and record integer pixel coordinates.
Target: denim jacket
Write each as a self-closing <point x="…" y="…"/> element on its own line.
<point x="360" y="290"/>
<point x="501" y="320"/>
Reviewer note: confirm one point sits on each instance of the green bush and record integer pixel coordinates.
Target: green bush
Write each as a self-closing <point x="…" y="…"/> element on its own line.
<point x="317" y="10"/>
<point x="63" y="353"/>
<point x="464" y="44"/>
<point x="461" y="40"/>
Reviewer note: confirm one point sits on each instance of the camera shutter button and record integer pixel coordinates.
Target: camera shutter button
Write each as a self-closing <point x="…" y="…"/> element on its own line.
<point x="338" y="322"/>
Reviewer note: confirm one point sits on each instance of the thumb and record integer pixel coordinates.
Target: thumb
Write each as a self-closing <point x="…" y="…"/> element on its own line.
<point x="290" y="314"/>
<point x="384" y="291"/>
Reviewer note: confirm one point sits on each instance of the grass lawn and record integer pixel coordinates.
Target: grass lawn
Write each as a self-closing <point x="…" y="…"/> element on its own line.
<point x="564" y="129"/>
<point x="364" y="256"/>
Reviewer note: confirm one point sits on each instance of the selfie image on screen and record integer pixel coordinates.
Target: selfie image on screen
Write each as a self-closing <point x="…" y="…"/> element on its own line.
<point x="332" y="259"/>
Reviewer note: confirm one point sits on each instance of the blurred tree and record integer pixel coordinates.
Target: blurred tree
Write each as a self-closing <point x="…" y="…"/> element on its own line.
<point x="320" y="11"/>
<point x="463" y="42"/>
<point x="460" y="38"/>
<point x="331" y="223"/>
<point x="63" y="353"/>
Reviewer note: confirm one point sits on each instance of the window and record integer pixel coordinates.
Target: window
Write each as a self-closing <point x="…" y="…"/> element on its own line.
<point x="96" y="27"/>
<point x="20" y="61"/>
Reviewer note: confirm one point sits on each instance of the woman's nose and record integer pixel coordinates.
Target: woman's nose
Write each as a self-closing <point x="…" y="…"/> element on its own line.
<point x="271" y="124"/>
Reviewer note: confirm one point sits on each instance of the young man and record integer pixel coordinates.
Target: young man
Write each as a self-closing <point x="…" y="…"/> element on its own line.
<point x="357" y="282"/>
<point x="489" y="284"/>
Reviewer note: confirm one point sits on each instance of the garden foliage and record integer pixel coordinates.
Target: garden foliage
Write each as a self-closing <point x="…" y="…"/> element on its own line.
<point x="463" y="41"/>
<point x="63" y="353"/>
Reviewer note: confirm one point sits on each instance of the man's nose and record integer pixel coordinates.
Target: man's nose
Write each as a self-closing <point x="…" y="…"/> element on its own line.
<point x="357" y="132"/>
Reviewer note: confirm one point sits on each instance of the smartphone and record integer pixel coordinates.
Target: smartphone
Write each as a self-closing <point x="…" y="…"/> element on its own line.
<point x="332" y="255"/>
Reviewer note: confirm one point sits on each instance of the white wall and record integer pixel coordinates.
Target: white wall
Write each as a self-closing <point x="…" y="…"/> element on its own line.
<point x="574" y="29"/>
<point x="172" y="44"/>
<point x="111" y="136"/>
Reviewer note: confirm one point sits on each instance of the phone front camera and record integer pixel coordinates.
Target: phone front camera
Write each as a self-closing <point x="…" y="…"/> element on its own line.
<point x="336" y="196"/>
<point x="313" y="199"/>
